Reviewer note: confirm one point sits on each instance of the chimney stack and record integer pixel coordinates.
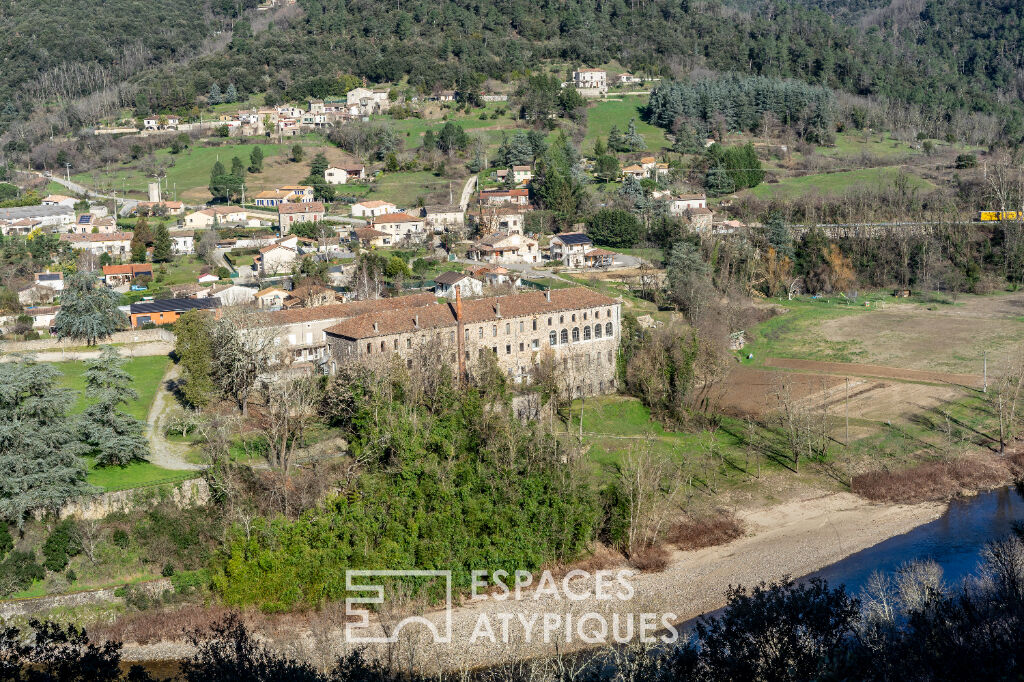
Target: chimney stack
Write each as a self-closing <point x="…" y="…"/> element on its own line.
<point x="458" y="303"/>
<point x="547" y="295"/>
<point x="497" y="308"/>
<point x="375" y="328"/>
<point x="416" y="321"/>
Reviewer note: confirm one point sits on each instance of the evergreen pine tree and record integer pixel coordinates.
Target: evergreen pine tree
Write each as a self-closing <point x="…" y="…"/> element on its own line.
<point x="616" y="142"/>
<point x="231" y="94"/>
<point x="193" y="344"/>
<point x="39" y="447"/>
<point x="214" y="96"/>
<point x="318" y="165"/>
<point x="114" y="437"/>
<point x="88" y="312"/>
<point x="237" y="167"/>
<point x="161" y="244"/>
<point x="256" y="160"/>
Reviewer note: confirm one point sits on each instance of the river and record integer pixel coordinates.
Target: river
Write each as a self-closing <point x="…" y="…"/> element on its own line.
<point x="954" y="541"/>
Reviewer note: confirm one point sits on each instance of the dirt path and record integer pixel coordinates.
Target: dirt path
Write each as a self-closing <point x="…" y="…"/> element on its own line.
<point x="164" y="453"/>
<point x="875" y="371"/>
<point x="794" y="538"/>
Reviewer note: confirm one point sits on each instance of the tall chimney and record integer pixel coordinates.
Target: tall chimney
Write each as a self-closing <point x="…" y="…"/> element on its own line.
<point x="497" y="308"/>
<point x="460" y="336"/>
<point x="547" y="295"/>
<point x="416" y="321"/>
<point x="375" y="327"/>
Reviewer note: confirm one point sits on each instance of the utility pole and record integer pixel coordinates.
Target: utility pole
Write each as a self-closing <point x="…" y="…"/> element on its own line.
<point x="984" y="388"/>
<point x="847" y="411"/>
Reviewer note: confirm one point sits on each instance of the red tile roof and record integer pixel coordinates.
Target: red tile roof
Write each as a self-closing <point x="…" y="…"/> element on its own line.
<point x="475" y="311"/>
<point x="347" y="310"/>
<point x="311" y="207"/>
<point x="129" y="269"/>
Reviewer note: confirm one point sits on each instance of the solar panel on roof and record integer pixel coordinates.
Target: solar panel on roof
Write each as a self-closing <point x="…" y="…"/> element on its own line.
<point x="84" y="219"/>
<point x="574" y="238"/>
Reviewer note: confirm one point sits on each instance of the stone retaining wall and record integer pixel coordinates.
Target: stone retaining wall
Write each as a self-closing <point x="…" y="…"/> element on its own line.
<point x="134" y="336"/>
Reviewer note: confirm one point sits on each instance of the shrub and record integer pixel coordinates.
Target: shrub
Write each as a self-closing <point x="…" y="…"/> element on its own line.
<point x="120" y="538"/>
<point x="71" y="575"/>
<point x="692" y="534"/>
<point x="653" y="558"/>
<point x="168" y="570"/>
<point x="966" y="161"/>
<point x="18" y="571"/>
<point x="6" y="541"/>
<point x="63" y="542"/>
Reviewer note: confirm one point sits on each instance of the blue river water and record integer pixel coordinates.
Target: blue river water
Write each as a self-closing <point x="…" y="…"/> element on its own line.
<point x="954" y="541"/>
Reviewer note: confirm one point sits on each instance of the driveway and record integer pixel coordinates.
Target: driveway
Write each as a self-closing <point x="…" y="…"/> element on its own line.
<point x="467" y="192"/>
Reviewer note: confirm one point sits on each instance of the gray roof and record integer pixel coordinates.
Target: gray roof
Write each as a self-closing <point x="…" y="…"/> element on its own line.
<point x="574" y="238"/>
<point x="20" y="212"/>
<point x="175" y="305"/>
<point x="450" y="277"/>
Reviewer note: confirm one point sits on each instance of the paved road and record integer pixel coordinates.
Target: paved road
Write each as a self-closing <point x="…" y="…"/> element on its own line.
<point x="127" y="205"/>
<point x="619" y="261"/>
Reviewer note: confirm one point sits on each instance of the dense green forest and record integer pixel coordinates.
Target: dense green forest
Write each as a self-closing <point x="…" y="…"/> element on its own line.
<point x="947" y="57"/>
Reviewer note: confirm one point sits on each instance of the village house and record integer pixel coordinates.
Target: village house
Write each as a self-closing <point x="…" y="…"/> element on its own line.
<point x="53" y="216"/>
<point x="496" y="275"/>
<point x="598" y="258"/>
<point x="626" y="78"/>
<point x="339" y="175"/>
<point x="291" y="213"/>
<point x="488" y="219"/>
<point x="299" y="332"/>
<point x="117" y="275"/>
<point x="301" y="194"/>
<point x="115" y="244"/>
<point x="493" y="197"/>
<point x="679" y="205"/>
<point x="271" y="197"/>
<point x="400" y="226"/>
<point x="274" y="259"/>
<point x="59" y="200"/>
<point x="449" y="281"/>
<point x="634" y="170"/>
<point x="369" y="237"/>
<point x="21" y="227"/>
<point x="160" y="208"/>
<point x="50" y="280"/>
<point x="310" y="296"/>
<point x="272" y="298"/>
<point x="182" y="241"/>
<point x="372" y="208"/>
<point x="577" y="326"/>
<point x="369" y="101"/>
<point x="591" y="82"/>
<point x="231" y="294"/>
<point x="35" y="294"/>
<point x="570" y="248"/>
<point x="216" y="216"/>
<point x="443" y="218"/>
<point x="89" y="223"/>
<point x="167" y="311"/>
<point x="505" y="248"/>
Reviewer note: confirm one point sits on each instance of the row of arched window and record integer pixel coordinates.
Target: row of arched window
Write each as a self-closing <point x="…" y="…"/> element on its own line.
<point x="595" y="332"/>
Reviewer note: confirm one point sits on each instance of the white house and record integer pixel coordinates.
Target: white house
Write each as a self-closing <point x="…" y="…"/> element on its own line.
<point x="339" y="175"/>
<point x="216" y="215"/>
<point x="59" y="200"/>
<point x="275" y="258"/>
<point x="116" y="244"/>
<point x="570" y="248"/>
<point x="505" y="247"/>
<point x="399" y="225"/>
<point x="449" y="281"/>
<point x="182" y="241"/>
<point x="591" y="82"/>
<point x="679" y="205"/>
<point x="372" y="208"/>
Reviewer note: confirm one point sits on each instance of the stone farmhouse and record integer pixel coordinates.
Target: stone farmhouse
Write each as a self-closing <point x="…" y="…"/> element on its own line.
<point x="578" y="327"/>
<point x="591" y="82"/>
<point x="504" y="248"/>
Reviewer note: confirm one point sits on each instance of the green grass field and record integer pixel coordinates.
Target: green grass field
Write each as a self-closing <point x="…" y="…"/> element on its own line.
<point x="603" y="115"/>
<point x="855" y="144"/>
<point x="135" y="475"/>
<point x="834" y="183"/>
<point x="191" y="169"/>
<point x="147" y="372"/>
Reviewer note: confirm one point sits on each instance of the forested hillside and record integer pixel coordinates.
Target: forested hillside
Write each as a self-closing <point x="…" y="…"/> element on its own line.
<point x="945" y="56"/>
<point x="55" y="51"/>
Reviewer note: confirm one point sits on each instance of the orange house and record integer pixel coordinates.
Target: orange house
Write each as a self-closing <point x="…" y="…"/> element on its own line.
<point x="167" y="311"/>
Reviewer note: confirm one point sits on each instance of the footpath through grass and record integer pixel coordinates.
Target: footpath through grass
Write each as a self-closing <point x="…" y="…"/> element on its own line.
<point x="147" y="373"/>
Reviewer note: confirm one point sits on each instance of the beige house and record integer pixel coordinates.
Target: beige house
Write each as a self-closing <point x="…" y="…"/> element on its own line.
<point x="372" y="208"/>
<point x="299" y="332"/>
<point x="307" y="212"/>
<point x="274" y="259"/>
<point x="577" y="327"/>
<point x="182" y="241"/>
<point x="591" y="82"/>
<point x="116" y="243"/>
<point x="216" y="215"/>
<point x="504" y="248"/>
<point x="369" y="237"/>
<point x="679" y="205"/>
<point x="442" y="218"/>
<point x="369" y="101"/>
<point x="271" y="297"/>
<point x="493" y="197"/>
<point x="511" y="219"/>
<point x="400" y="226"/>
